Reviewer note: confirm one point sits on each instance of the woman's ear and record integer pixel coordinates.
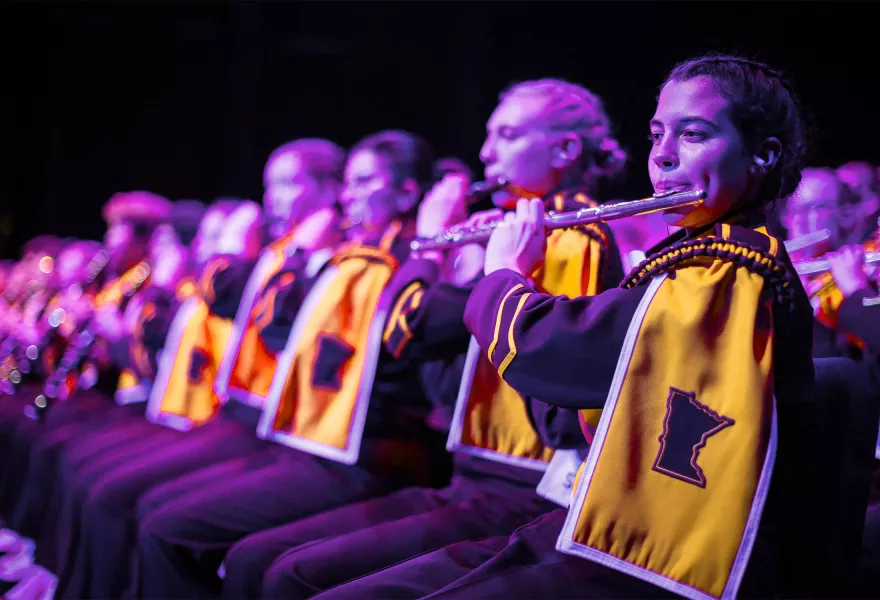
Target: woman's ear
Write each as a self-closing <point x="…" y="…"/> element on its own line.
<point x="409" y="196"/>
<point x="767" y="155"/>
<point x="566" y="151"/>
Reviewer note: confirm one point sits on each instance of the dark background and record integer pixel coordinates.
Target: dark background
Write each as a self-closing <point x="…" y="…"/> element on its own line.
<point x="187" y="99"/>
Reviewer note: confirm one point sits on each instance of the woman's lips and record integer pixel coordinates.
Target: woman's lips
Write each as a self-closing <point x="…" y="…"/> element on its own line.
<point x="671" y="188"/>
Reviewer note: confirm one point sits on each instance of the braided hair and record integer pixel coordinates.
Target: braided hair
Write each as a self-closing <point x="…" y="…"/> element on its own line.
<point x="573" y="108"/>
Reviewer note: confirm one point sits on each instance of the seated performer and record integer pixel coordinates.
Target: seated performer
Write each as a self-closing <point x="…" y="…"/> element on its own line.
<point x="858" y="314"/>
<point x="862" y="179"/>
<point x="561" y="148"/>
<point x="698" y="478"/>
<point x="301" y="178"/>
<point x="353" y="416"/>
<point x="823" y="201"/>
<point x="182" y="397"/>
<point x="131" y="218"/>
<point x="85" y="458"/>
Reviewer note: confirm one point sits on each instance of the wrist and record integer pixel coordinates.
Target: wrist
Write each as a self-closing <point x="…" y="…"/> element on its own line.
<point x="852" y="287"/>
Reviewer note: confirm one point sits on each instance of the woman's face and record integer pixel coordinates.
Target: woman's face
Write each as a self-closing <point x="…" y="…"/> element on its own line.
<point x="204" y="245"/>
<point x="519" y="148"/>
<point x="820" y="202"/>
<point x="370" y="197"/>
<point x="861" y="211"/>
<point x="290" y="193"/>
<point x="241" y="235"/>
<point x="124" y="247"/>
<point x="71" y="264"/>
<point x="697" y="146"/>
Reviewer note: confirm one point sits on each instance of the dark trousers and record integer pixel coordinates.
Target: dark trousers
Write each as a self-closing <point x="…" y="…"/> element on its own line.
<point x="108" y="525"/>
<point x="331" y="548"/>
<point x="18" y="433"/>
<point x="868" y="578"/>
<point x="34" y="499"/>
<point x="524" y="565"/>
<point x="182" y="542"/>
<point x="81" y="463"/>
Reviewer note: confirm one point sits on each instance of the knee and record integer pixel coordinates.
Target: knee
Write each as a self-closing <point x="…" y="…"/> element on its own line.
<point x="283" y="579"/>
<point x="106" y="494"/>
<point x="148" y="503"/>
<point x="155" y="530"/>
<point x="244" y="566"/>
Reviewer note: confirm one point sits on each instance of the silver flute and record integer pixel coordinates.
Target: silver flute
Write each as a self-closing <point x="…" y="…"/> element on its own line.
<point x="584" y="216"/>
<point x="822" y="265"/>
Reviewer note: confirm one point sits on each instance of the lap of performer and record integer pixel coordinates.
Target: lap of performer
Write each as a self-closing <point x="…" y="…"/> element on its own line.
<point x="502" y="442"/>
<point x="347" y="418"/>
<point x="701" y="354"/>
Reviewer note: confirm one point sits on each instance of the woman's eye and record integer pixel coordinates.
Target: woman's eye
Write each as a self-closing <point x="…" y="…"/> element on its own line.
<point x="506" y="133"/>
<point x="655" y="136"/>
<point x="692" y="135"/>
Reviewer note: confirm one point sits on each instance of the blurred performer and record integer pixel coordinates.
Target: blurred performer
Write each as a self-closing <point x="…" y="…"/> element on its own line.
<point x="294" y="180"/>
<point x="696" y="373"/>
<point x="861" y="178"/>
<point x="61" y="287"/>
<point x="303" y="177"/>
<point x="136" y="343"/>
<point x="85" y="458"/>
<point x="550" y="139"/>
<point x="859" y="312"/>
<point x="352" y="415"/>
<point x="131" y="219"/>
<point x="183" y="396"/>
<point x="27" y="290"/>
<point x="821" y="201"/>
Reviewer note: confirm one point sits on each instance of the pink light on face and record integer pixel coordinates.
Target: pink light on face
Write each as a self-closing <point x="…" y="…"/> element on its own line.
<point x="289" y="191"/>
<point x="697" y="146"/>
<point x="368" y="195"/>
<point x="241" y="233"/>
<point x="817" y="204"/>
<point x="204" y="245"/>
<point x="518" y="148"/>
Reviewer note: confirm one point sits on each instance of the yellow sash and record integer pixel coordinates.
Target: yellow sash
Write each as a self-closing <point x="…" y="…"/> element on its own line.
<point x="675" y="482"/>
<point x="247" y="366"/>
<point x="135" y="383"/>
<point x="490" y="418"/>
<point x="182" y="395"/>
<point x="320" y="394"/>
<point x="130" y="389"/>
